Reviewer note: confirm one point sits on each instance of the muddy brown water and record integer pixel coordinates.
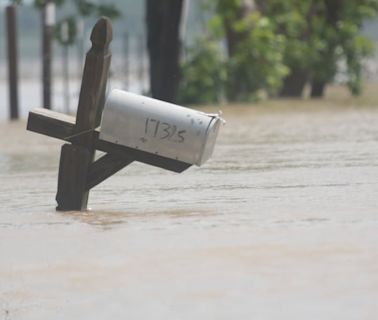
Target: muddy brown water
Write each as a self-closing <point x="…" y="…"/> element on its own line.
<point x="281" y="223"/>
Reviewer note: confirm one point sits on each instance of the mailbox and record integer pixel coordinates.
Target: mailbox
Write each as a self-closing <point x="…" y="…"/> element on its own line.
<point x="159" y="127"/>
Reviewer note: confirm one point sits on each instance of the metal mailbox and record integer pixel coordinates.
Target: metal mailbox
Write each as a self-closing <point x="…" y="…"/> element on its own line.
<point x="159" y="127"/>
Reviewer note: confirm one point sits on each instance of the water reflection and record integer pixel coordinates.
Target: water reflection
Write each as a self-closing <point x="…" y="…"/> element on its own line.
<point x="107" y="220"/>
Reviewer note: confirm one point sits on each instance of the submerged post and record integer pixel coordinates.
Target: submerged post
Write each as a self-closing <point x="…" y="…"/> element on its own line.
<point x="75" y="160"/>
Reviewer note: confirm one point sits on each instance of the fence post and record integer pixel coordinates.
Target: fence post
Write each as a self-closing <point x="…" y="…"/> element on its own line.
<point x="48" y="21"/>
<point x="12" y="61"/>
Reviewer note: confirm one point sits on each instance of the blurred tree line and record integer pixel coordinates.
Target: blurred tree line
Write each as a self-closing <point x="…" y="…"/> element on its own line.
<point x="250" y="49"/>
<point x="262" y="48"/>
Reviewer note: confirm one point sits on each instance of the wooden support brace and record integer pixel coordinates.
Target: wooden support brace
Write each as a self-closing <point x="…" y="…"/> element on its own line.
<point x="105" y="167"/>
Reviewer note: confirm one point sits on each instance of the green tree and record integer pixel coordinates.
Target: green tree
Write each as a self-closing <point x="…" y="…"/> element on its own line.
<point x="291" y="20"/>
<point x="255" y="50"/>
<point x="282" y="45"/>
<point x="254" y="55"/>
<point x="203" y="74"/>
<point x="342" y="24"/>
<point x="319" y="34"/>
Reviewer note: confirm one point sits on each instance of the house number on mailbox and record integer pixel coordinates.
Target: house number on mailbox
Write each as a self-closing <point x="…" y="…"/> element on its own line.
<point x="163" y="130"/>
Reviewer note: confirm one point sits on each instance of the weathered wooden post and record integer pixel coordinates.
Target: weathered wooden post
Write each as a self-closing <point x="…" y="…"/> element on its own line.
<point x="75" y="159"/>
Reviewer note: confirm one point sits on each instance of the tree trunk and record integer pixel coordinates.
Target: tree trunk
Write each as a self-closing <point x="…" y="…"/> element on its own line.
<point x="317" y="89"/>
<point x="294" y="84"/>
<point x="163" y="43"/>
<point x="235" y="86"/>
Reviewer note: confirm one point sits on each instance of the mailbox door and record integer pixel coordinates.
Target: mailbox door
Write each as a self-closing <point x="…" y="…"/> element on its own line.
<point x="211" y="133"/>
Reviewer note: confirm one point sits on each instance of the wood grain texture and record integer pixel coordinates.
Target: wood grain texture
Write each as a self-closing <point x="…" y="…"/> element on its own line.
<point x="139" y="155"/>
<point x="50" y="123"/>
<point x="88" y="117"/>
<point x="72" y="191"/>
<point x="93" y="86"/>
<point x="105" y="167"/>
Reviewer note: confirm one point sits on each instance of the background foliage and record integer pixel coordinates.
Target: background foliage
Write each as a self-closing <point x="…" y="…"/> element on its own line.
<point x="278" y="47"/>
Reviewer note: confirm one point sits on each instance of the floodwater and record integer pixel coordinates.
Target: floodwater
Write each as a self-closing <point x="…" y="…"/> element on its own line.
<point x="281" y="223"/>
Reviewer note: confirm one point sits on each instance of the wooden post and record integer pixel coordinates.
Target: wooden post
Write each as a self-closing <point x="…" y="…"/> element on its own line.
<point x="76" y="159"/>
<point x="47" y="17"/>
<point x="12" y="61"/>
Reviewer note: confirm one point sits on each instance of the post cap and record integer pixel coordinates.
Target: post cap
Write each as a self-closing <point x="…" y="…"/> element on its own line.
<point x="102" y="33"/>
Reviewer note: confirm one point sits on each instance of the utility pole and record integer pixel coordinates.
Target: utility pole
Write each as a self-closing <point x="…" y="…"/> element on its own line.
<point x="48" y="21"/>
<point x="11" y="27"/>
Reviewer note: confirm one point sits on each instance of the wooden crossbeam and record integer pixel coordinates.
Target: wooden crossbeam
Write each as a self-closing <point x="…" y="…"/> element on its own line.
<point x="51" y="123"/>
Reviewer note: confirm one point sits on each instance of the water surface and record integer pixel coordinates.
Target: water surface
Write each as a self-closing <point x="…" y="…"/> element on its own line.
<point x="281" y="223"/>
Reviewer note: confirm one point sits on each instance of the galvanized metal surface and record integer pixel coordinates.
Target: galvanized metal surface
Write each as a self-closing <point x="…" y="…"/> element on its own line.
<point x="159" y="127"/>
